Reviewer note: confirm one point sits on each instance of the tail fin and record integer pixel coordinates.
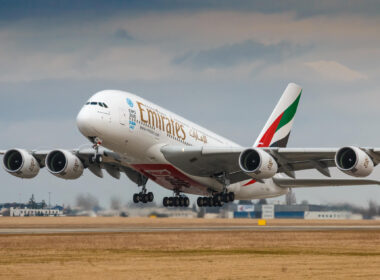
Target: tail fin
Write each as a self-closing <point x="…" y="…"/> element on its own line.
<point x="277" y="129"/>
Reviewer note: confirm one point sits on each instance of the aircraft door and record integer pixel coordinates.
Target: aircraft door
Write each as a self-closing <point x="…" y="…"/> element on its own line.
<point x="123" y="116"/>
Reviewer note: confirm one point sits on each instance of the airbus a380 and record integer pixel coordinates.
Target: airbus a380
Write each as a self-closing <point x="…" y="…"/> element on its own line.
<point x="143" y="140"/>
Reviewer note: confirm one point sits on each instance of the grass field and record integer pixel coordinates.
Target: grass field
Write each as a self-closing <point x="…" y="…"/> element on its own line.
<point x="187" y="255"/>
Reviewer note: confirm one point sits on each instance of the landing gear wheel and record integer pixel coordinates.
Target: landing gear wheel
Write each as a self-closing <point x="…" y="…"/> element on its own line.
<point x="175" y="201"/>
<point x="225" y="198"/>
<point x="231" y="196"/>
<point x="165" y="201"/>
<point x="212" y="202"/>
<point x="136" y="198"/>
<point x="91" y="159"/>
<point x="205" y="201"/>
<point x="218" y="197"/>
<point x="200" y="201"/>
<point x="98" y="159"/>
<point x="144" y="198"/>
<point x="181" y="202"/>
<point x="171" y="201"/>
<point x="150" y="196"/>
<point x="186" y="202"/>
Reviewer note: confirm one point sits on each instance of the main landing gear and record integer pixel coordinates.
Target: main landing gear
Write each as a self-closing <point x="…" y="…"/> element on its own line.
<point x="144" y="196"/>
<point x="176" y="201"/>
<point x="217" y="200"/>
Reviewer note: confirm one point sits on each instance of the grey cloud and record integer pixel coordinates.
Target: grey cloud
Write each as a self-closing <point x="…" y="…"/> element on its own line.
<point x="88" y="9"/>
<point x="123" y="34"/>
<point x="234" y="54"/>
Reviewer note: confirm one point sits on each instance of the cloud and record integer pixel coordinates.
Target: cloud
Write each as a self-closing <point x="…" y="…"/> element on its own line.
<point x="175" y="45"/>
<point x="234" y="54"/>
<point x="123" y="34"/>
<point x="112" y="63"/>
<point x="333" y="70"/>
<point x="15" y="10"/>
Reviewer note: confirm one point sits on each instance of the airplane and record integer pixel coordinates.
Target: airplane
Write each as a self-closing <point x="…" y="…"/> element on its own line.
<point x="145" y="141"/>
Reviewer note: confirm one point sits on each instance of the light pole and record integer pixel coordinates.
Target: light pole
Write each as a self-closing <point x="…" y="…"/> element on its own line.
<point x="49" y="200"/>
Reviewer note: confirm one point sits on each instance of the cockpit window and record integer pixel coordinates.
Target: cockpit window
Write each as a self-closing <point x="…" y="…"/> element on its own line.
<point x="101" y="104"/>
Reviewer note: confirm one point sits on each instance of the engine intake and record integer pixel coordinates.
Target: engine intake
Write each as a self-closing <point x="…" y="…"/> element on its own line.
<point x="21" y="163"/>
<point x="258" y="163"/>
<point x="64" y="164"/>
<point x="354" y="161"/>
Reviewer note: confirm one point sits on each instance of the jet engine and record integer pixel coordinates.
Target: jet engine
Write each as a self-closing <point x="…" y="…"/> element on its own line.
<point x="20" y="163"/>
<point x="64" y="164"/>
<point x="354" y="161"/>
<point x="258" y="164"/>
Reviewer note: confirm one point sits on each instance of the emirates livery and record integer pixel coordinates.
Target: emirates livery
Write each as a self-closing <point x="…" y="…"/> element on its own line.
<point x="143" y="140"/>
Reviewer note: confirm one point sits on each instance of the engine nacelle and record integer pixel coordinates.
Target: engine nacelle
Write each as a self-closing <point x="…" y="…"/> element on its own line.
<point x="21" y="163"/>
<point x="354" y="161"/>
<point x="64" y="164"/>
<point x="258" y="164"/>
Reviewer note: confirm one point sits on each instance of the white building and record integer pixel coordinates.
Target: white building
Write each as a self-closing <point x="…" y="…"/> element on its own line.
<point x="22" y="212"/>
<point x="331" y="215"/>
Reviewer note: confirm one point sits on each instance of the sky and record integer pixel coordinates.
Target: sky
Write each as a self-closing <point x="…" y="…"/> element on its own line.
<point x="221" y="64"/>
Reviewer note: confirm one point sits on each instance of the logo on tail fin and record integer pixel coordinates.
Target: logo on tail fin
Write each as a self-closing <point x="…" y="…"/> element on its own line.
<point x="276" y="131"/>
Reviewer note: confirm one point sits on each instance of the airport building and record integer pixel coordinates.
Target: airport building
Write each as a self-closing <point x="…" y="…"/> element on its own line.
<point x="26" y="212"/>
<point x="278" y="211"/>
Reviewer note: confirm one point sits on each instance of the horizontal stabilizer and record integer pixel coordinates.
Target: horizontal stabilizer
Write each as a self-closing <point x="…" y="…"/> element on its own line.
<point x="305" y="183"/>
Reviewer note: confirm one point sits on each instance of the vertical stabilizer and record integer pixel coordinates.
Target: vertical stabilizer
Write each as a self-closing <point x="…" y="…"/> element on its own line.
<point x="276" y="131"/>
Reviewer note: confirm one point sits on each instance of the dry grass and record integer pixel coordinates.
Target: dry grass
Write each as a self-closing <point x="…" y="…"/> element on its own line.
<point x="186" y="255"/>
<point x="109" y="222"/>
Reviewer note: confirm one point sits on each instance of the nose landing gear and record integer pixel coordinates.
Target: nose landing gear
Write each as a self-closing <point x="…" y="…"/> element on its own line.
<point x="96" y="158"/>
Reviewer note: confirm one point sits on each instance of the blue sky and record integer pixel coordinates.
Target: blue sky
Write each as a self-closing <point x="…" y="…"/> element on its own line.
<point x="223" y="64"/>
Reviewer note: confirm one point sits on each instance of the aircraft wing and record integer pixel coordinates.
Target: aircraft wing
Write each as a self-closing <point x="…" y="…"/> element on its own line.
<point x="112" y="163"/>
<point x="210" y="161"/>
<point x="298" y="183"/>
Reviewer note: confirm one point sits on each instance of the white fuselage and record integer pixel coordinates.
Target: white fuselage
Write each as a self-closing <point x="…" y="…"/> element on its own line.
<point x="136" y="129"/>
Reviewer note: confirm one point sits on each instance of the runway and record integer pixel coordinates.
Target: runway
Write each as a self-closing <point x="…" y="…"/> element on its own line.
<point x="188" y="229"/>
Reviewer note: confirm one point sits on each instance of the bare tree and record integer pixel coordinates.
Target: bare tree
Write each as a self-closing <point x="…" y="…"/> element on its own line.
<point x="372" y="209"/>
<point x="115" y="203"/>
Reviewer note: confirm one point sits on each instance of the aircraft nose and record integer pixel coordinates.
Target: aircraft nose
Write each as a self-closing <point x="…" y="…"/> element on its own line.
<point x="84" y="120"/>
